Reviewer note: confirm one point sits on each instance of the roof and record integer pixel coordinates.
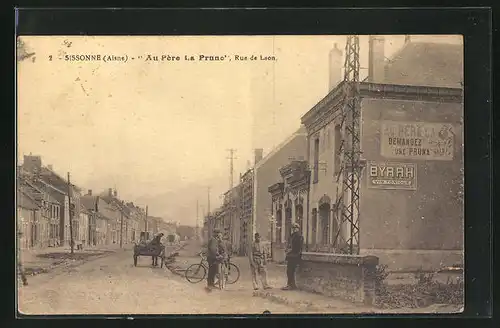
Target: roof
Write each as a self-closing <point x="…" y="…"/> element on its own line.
<point x="53" y="188"/>
<point x="300" y="132"/>
<point x="117" y="203"/>
<point x="32" y="189"/>
<point x="46" y="170"/>
<point x="427" y="64"/>
<point x="102" y="206"/>
<point x="24" y="200"/>
<point x="88" y="202"/>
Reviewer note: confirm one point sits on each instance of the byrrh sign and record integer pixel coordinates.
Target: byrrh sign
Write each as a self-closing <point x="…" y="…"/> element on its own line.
<point x="389" y="175"/>
<point x="417" y="140"/>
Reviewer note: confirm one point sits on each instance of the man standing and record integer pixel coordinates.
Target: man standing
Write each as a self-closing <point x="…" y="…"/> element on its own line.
<point x="258" y="262"/>
<point x="156" y="243"/>
<point x="213" y="257"/>
<point x="293" y="256"/>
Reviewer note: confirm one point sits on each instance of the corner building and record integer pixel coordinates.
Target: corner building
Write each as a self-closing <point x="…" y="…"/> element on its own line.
<point x="411" y="212"/>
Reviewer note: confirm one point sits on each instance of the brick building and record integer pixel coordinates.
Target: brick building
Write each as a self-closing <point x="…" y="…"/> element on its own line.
<point x="411" y="138"/>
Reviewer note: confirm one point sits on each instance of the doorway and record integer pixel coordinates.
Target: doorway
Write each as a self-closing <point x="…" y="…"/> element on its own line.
<point x="324" y="215"/>
<point x="279" y="222"/>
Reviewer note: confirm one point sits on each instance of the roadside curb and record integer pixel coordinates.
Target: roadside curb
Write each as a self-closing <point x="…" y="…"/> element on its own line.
<point x="64" y="265"/>
<point x="303" y="305"/>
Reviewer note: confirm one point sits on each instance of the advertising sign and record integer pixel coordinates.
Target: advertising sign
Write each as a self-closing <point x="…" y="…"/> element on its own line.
<point x="389" y="175"/>
<point x="417" y="140"/>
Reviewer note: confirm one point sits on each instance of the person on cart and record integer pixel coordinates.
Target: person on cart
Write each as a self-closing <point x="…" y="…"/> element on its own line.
<point x="156" y="244"/>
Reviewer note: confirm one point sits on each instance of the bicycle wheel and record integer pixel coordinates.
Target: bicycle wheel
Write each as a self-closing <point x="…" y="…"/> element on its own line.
<point x="233" y="274"/>
<point x="195" y="273"/>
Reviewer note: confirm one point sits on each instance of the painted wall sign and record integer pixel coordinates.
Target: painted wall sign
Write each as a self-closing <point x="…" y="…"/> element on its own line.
<point x="417" y="140"/>
<point x="389" y="175"/>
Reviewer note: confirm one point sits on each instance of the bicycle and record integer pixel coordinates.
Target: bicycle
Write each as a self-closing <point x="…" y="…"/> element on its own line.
<point x="197" y="272"/>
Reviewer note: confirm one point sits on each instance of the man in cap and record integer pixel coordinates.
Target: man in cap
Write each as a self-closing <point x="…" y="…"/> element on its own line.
<point x="258" y="262"/>
<point x="156" y="244"/>
<point x="293" y="256"/>
<point x="214" y="256"/>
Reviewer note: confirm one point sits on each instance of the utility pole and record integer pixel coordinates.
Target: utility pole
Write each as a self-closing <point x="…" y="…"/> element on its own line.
<point x="197" y="222"/>
<point x="146" y="220"/>
<point x="208" y="203"/>
<point x="349" y="175"/>
<point x="72" y="243"/>
<point x="231" y="166"/>
<point x="121" y="228"/>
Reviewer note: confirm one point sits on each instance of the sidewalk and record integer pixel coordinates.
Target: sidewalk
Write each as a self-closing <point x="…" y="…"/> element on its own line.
<point x="317" y="303"/>
<point x="304" y="301"/>
<point x="36" y="261"/>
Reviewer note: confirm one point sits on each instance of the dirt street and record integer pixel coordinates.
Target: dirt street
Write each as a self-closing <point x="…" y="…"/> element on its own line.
<point x="112" y="285"/>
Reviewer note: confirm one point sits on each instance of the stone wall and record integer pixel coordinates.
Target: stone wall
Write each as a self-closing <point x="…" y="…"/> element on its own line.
<point x="401" y="260"/>
<point x="347" y="277"/>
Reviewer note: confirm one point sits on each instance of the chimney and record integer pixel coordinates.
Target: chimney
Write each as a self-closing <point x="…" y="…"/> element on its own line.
<point x="50" y="167"/>
<point x="335" y="67"/>
<point x="115" y="193"/>
<point x="89" y="192"/>
<point x="110" y="192"/>
<point x="32" y="163"/>
<point x="376" y="59"/>
<point x="258" y="155"/>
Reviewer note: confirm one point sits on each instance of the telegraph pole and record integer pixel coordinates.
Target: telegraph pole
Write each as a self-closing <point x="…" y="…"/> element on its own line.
<point x="121" y="228"/>
<point x="231" y="166"/>
<point x="208" y="203"/>
<point x="197" y="221"/>
<point x="146" y="221"/>
<point x="70" y="216"/>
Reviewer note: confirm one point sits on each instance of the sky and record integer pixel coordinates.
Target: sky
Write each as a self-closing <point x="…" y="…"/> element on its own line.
<point x="158" y="132"/>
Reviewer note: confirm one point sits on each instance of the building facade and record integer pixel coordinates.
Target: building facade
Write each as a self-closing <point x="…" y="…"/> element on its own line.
<point x="412" y="143"/>
<point x="290" y="200"/>
<point x="231" y="217"/>
<point x="266" y="173"/>
<point x="246" y="210"/>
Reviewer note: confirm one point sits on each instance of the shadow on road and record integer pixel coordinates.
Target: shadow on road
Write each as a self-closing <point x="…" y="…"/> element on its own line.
<point x="69" y="256"/>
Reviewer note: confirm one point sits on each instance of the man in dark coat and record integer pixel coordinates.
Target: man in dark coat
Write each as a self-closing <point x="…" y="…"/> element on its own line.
<point x="293" y="256"/>
<point x="214" y="256"/>
<point x="156" y="243"/>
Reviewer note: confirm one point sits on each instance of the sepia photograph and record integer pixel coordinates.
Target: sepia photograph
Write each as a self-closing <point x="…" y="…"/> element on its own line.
<point x="278" y="174"/>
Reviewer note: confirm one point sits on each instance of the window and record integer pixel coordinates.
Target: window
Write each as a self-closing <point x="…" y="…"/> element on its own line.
<point x="336" y="155"/>
<point x="316" y="160"/>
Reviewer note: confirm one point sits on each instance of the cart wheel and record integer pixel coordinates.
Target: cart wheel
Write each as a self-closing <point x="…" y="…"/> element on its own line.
<point x="135" y="260"/>
<point x="195" y="273"/>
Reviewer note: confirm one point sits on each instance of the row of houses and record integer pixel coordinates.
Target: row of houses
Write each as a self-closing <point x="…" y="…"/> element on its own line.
<point x="46" y="202"/>
<point x="411" y="113"/>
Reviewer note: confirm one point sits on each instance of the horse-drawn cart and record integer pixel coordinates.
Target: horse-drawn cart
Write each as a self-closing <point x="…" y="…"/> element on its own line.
<point x="150" y="250"/>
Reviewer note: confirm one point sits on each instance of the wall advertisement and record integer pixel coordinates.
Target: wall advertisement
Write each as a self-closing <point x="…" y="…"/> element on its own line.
<point x="417" y="140"/>
<point x="390" y="175"/>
